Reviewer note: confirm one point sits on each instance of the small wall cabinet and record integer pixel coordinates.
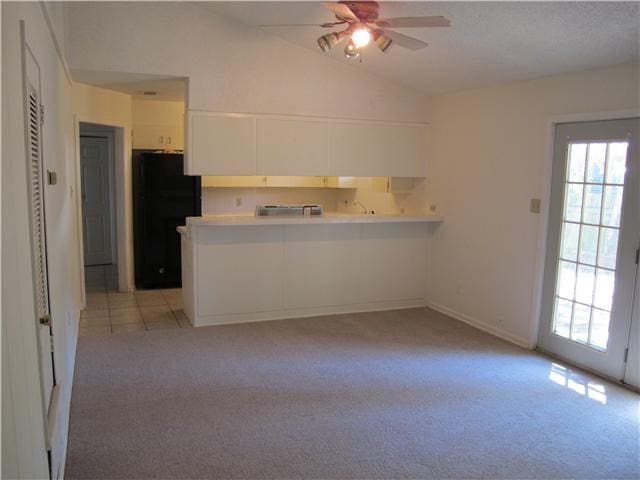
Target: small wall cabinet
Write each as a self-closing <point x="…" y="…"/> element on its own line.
<point x="277" y="145"/>
<point x="160" y="137"/>
<point x="157" y="125"/>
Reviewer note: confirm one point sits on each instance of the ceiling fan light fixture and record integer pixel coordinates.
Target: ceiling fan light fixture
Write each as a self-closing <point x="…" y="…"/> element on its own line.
<point x="361" y="37"/>
<point x="329" y="40"/>
<point x="382" y="41"/>
<point x="351" y="51"/>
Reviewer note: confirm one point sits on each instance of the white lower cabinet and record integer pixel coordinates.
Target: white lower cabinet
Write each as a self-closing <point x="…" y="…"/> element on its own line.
<point x="239" y="273"/>
<point x="322" y="265"/>
<point x="394" y="261"/>
<point x="239" y="269"/>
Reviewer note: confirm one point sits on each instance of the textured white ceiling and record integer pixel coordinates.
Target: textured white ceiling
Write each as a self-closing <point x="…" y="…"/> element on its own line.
<point x="488" y="42"/>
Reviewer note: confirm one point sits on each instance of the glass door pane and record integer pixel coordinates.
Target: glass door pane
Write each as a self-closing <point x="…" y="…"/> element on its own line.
<point x="589" y="241"/>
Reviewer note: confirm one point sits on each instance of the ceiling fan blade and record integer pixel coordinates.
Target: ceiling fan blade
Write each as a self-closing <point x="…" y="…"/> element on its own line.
<point x="404" y="40"/>
<point x="412" y="22"/>
<point x="323" y="25"/>
<point x="341" y="11"/>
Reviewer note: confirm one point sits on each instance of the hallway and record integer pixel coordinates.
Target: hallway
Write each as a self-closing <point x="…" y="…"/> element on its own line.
<point x="109" y="311"/>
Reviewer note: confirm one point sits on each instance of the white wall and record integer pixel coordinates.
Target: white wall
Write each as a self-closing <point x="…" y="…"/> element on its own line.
<point x="23" y="435"/>
<point x="157" y="112"/>
<point x="107" y="107"/>
<point x="231" y="67"/>
<point x="489" y="155"/>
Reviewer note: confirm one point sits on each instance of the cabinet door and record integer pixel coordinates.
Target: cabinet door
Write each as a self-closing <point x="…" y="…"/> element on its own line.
<point x="221" y="145"/>
<point x="367" y="149"/>
<point x="240" y="269"/>
<point x="394" y="261"/>
<point x="322" y="265"/>
<point x="292" y="146"/>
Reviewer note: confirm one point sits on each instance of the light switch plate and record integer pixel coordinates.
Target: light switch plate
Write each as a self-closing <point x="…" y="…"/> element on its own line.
<point x="534" y="205"/>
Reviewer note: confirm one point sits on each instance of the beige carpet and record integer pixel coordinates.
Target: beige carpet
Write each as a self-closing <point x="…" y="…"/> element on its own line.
<point x="400" y="394"/>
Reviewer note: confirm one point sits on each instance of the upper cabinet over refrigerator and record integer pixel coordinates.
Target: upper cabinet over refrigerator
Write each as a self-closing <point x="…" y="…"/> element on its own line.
<point x="279" y="145"/>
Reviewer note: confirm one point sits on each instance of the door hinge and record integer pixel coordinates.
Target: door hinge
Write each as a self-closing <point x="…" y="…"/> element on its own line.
<point x="41" y="114"/>
<point x="637" y="255"/>
<point x="626" y="354"/>
<point x="51" y="342"/>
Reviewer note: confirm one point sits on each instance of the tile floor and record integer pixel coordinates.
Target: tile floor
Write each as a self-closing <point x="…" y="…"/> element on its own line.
<point x="109" y="311"/>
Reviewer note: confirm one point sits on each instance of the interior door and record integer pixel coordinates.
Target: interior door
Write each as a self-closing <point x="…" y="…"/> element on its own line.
<point x="591" y="263"/>
<point x="96" y="200"/>
<point x="35" y="172"/>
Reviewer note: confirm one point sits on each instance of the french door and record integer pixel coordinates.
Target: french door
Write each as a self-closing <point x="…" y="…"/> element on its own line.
<point x="592" y="245"/>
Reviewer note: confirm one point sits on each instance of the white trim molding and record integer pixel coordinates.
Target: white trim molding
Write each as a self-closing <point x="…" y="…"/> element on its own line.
<point x="474" y="322"/>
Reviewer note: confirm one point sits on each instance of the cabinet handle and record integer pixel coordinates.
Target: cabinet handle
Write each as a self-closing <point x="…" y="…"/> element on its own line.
<point x="161" y="139"/>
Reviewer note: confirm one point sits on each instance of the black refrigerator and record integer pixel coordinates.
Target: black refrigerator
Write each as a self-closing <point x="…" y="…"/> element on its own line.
<point x="163" y="196"/>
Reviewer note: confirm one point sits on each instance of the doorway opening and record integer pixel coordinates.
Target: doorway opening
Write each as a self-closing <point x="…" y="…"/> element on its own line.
<point x="98" y="214"/>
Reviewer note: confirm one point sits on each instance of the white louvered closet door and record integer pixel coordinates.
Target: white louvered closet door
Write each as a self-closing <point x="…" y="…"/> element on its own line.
<point x="36" y="182"/>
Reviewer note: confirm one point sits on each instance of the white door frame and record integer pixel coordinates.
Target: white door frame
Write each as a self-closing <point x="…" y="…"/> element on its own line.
<point x="123" y="214"/>
<point x="541" y="250"/>
<point x="93" y="130"/>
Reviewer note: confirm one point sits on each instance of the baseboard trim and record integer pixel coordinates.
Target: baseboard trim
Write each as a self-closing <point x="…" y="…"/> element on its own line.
<point x="498" y="332"/>
<point x="226" y="319"/>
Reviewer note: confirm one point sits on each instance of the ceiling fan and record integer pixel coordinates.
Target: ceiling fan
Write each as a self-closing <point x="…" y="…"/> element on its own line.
<point x="363" y="25"/>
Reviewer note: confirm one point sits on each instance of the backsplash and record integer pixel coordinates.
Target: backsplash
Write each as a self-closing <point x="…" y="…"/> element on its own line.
<point x="411" y="203"/>
<point x="216" y="201"/>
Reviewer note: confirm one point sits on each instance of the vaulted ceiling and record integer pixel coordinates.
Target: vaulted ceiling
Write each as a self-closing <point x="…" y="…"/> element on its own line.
<point x="487" y="43"/>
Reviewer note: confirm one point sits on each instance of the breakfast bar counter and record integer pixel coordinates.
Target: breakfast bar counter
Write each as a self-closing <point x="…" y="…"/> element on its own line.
<point x="251" y="219"/>
<point x="240" y="268"/>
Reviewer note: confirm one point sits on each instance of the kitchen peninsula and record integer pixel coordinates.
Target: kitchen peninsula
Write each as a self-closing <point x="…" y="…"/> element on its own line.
<point x="239" y="268"/>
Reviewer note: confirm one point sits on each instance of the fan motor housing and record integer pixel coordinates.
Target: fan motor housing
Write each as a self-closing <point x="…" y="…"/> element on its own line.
<point x="365" y="11"/>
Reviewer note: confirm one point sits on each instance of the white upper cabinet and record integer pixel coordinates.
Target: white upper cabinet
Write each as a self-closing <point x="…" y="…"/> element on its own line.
<point x="221" y="144"/>
<point x="374" y="149"/>
<point x="275" y="145"/>
<point x="157" y="124"/>
<point x="292" y="146"/>
<point x="157" y="137"/>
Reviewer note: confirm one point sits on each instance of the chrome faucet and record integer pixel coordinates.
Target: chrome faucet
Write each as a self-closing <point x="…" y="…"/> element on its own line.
<point x="364" y="209"/>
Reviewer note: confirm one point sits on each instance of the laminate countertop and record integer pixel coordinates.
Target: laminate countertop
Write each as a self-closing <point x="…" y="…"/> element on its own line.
<point x="231" y="220"/>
